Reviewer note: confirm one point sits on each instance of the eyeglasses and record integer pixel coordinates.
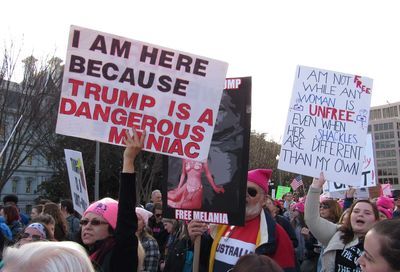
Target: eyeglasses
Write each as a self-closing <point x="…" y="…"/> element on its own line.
<point x="93" y="222"/>
<point x="252" y="192"/>
<point x="324" y="206"/>
<point x="34" y="237"/>
<point x="158" y="214"/>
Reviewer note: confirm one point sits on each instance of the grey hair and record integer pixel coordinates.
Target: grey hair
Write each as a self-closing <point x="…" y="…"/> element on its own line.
<point x="47" y="257"/>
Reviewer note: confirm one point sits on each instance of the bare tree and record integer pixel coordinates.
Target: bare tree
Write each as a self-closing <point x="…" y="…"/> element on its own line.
<point x="149" y="174"/>
<point x="36" y="100"/>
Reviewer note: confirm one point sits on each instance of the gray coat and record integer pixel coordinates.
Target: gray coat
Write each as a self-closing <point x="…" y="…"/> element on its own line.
<point x="324" y="231"/>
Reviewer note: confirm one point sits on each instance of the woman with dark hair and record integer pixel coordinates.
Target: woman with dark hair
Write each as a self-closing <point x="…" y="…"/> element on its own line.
<point x="48" y="221"/>
<point x="177" y="246"/>
<point x="382" y="248"/>
<point x="344" y="244"/>
<point x="256" y="263"/>
<point x="11" y="217"/>
<point x="61" y="227"/>
<point x="108" y="227"/>
<point x="36" y="211"/>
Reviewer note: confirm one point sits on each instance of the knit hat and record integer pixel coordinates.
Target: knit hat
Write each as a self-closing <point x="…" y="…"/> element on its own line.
<point x="341" y="203"/>
<point x="144" y="214"/>
<point x="298" y="207"/>
<point x="40" y="228"/>
<point x="106" y="208"/>
<point x="385" y="202"/>
<point x="260" y="177"/>
<point x="388" y="213"/>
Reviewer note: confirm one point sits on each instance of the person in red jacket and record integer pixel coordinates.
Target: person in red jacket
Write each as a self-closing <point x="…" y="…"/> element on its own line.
<point x="261" y="234"/>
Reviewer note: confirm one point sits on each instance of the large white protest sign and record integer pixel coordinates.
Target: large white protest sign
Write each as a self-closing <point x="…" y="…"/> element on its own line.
<point x="360" y="193"/>
<point x="368" y="174"/>
<point x="326" y="125"/>
<point x="112" y="84"/>
<point x="77" y="180"/>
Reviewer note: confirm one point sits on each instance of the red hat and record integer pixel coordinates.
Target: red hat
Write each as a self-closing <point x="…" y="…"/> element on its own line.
<point x="260" y="177"/>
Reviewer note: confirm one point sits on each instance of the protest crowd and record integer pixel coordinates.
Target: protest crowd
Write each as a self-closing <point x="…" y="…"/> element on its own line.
<point x="311" y="233"/>
<point x="181" y="229"/>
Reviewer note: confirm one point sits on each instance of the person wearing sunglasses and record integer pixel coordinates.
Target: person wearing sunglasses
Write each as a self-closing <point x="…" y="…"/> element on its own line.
<point x="157" y="227"/>
<point x="108" y="227"/>
<point x="33" y="233"/>
<point x="260" y="234"/>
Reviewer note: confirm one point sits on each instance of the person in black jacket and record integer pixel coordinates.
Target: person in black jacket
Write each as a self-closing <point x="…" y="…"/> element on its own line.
<point x="108" y="227"/>
<point x="178" y="243"/>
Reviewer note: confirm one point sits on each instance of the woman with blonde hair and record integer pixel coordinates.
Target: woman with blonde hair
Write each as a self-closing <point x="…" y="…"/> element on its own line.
<point x="47" y="257"/>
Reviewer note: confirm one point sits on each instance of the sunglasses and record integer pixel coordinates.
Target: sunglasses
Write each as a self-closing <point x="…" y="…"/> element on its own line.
<point x="324" y="206"/>
<point x="158" y="214"/>
<point x="34" y="237"/>
<point x="252" y="192"/>
<point x="93" y="222"/>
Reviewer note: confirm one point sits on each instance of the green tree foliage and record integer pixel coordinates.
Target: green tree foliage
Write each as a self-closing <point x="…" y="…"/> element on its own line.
<point x="147" y="167"/>
<point x="263" y="154"/>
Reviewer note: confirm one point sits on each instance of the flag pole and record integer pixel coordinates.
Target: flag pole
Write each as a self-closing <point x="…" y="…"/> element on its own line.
<point x="9" y="138"/>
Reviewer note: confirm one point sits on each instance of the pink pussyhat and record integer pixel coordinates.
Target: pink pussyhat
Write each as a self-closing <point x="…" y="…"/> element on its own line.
<point x="144" y="214"/>
<point x="388" y="213"/>
<point x="385" y="202"/>
<point x="299" y="206"/>
<point x="106" y="208"/>
<point x="260" y="177"/>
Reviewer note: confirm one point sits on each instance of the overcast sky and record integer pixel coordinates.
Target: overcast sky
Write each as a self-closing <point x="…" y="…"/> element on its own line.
<point x="261" y="39"/>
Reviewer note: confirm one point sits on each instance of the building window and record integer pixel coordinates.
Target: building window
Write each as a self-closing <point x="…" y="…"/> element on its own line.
<point x="28" y="187"/>
<point x="14" y="185"/>
<point x="376" y="114"/>
<point x="29" y="160"/>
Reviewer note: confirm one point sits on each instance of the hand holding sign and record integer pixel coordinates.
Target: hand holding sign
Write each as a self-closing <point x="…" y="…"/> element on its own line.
<point x="326" y="125"/>
<point x="134" y="145"/>
<point x="318" y="183"/>
<point x="113" y="83"/>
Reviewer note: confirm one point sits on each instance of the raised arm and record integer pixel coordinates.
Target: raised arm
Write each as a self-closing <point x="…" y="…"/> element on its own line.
<point x="133" y="146"/>
<point x="321" y="228"/>
<point x="124" y="257"/>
